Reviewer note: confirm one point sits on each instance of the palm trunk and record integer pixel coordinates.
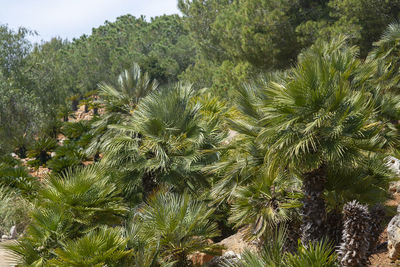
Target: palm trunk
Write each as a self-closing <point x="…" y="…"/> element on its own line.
<point x="313" y="211"/>
<point x="149" y="184"/>
<point x="353" y="252"/>
<point x="21" y="152"/>
<point x="74" y="105"/>
<point x="334" y="227"/>
<point x="292" y="235"/>
<point x="183" y="261"/>
<point x="96" y="157"/>
<point x="377" y="217"/>
<point x="43" y="157"/>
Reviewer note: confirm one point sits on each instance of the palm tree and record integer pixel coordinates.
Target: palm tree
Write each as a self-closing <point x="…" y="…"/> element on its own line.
<point x="68" y="156"/>
<point x="265" y="204"/>
<point x="174" y="225"/>
<point x="70" y="205"/>
<point x="75" y="130"/>
<point x="385" y="56"/>
<point x="40" y="150"/>
<point x="87" y="193"/>
<point x="382" y="72"/>
<point x="49" y="229"/>
<point x="132" y="86"/>
<point x="72" y="152"/>
<point x="64" y="111"/>
<point x="273" y="254"/>
<point x="318" y="119"/>
<point x="15" y="178"/>
<point x="256" y="197"/>
<point x="368" y="183"/>
<point x="143" y="253"/>
<point x="167" y="140"/>
<point x="101" y="247"/>
<point x="242" y="156"/>
<point x="119" y="102"/>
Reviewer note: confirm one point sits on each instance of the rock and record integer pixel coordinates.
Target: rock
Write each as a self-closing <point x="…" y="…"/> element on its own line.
<point x="238" y="242"/>
<point x="41" y="172"/>
<point x="394" y="187"/>
<point x="231" y="135"/>
<point x="199" y="259"/>
<point x="231" y="247"/>
<point x="228" y="258"/>
<point x="393" y="232"/>
<point x="13" y="232"/>
<point x="394" y="165"/>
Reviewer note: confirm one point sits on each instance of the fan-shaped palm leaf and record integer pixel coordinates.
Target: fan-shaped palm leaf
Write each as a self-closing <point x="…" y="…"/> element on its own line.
<point x="175" y="225"/>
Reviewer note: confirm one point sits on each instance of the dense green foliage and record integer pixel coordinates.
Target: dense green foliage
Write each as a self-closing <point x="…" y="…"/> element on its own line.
<point x="238" y="39"/>
<point x="164" y="136"/>
<point x="36" y="80"/>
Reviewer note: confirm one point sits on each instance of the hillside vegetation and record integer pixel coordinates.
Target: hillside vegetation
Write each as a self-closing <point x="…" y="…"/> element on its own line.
<point x="148" y="142"/>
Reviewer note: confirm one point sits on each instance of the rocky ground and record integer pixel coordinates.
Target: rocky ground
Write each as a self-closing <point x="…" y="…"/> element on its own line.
<point x="381" y="258"/>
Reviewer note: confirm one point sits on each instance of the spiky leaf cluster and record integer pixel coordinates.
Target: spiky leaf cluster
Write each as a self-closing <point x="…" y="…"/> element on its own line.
<point x="175" y="225"/>
<point x="273" y="254"/>
<point x="263" y="204"/>
<point x="319" y="115"/>
<point x="101" y="247"/>
<point x="40" y="151"/>
<point x="68" y="206"/>
<point x="167" y="140"/>
<point x="119" y="101"/>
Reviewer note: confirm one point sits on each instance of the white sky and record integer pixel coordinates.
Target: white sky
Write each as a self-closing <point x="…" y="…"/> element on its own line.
<point x="72" y="18"/>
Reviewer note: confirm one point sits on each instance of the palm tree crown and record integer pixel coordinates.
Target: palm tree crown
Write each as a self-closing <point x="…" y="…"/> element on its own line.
<point x="167" y="140"/>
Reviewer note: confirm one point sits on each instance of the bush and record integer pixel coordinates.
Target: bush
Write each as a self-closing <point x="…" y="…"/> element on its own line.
<point x="14" y="210"/>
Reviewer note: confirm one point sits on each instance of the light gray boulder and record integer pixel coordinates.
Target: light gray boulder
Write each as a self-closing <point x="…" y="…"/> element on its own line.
<point x="394" y="165"/>
<point x="13" y="232"/>
<point x="393" y="232"/>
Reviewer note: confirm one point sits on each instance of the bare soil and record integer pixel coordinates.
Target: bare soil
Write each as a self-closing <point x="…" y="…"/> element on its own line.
<point x="381" y="258"/>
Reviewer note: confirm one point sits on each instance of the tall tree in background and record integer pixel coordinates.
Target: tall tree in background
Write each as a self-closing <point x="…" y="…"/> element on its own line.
<point x="161" y="47"/>
<point x="364" y="20"/>
<point x="14" y="47"/>
<point x="248" y="37"/>
<point x="49" y="74"/>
